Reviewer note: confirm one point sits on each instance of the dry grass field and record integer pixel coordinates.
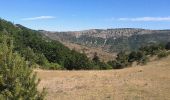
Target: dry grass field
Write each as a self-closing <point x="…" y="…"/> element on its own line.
<point x="149" y="82"/>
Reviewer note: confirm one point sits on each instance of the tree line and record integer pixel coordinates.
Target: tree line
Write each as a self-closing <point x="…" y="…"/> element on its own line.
<point x="51" y="54"/>
<point x="141" y="56"/>
<point x="38" y="49"/>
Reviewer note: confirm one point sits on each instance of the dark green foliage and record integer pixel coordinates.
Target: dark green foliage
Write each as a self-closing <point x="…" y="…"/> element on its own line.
<point x="104" y="66"/>
<point x="38" y="49"/>
<point x="138" y="56"/>
<point x="124" y="60"/>
<point x="141" y="57"/>
<point x="1" y="27"/>
<point x="112" y="63"/>
<point x="152" y="49"/>
<point x="54" y="66"/>
<point x="50" y="54"/>
<point x="162" y="54"/>
<point x="121" y="60"/>
<point x="77" y="61"/>
<point x="29" y="55"/>
<point x="41" y="59"/>
<point x="99" y="64"/>
<point x="167" y="46"/>
<point x="55" y="52"/>
<point x="17" y="80"/>
<point x="133" y="56"/>
<point x="96" y="59"/>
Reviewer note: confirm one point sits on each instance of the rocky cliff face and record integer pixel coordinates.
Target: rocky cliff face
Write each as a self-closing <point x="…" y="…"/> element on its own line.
<point x="113" y="40"/>
<point x="108" y="33"/>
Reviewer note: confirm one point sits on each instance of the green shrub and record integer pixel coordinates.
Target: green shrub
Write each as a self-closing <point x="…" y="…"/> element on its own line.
<point x="152" y="49"/>
<point x="162" y="54"/>
<point x="54" y="66"/>
<point x="121" y="61"/>
<point x="133" y="56"/>
<point x="1" y="28"/>
<point x="77" y="61"/>
<point x="17" y="80"/>
<point x="104" y="66"/>
<point x="99" y="64"/>
<point x="167" y="46"/>
<point x="96" y="58"/>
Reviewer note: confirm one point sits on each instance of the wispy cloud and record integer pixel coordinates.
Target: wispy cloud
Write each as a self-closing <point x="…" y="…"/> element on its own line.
<point x="147" y="19"/>
<point x="39" y="18"/>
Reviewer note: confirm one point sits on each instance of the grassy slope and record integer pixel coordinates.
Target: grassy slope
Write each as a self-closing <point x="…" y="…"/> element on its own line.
<point x="90" y="51"/>
<point x="149" y="82"/>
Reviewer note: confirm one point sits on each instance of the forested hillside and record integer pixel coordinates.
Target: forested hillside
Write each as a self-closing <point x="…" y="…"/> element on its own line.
<point x="37" y="49"/>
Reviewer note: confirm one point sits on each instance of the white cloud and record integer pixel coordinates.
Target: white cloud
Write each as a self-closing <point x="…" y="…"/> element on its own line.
<point x="39" y="18"/>
<point x="145" y="19"/>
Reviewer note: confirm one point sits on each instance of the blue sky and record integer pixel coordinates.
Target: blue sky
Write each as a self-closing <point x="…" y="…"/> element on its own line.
<point x="69" y="15"/>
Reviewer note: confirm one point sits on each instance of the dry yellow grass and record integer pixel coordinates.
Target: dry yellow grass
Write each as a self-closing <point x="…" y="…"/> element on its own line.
<point x="149" y="82"/>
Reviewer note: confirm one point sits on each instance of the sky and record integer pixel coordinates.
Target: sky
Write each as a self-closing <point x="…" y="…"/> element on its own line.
<point x="75" y="15"/>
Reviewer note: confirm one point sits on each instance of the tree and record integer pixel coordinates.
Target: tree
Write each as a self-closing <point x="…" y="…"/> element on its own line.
<point x="77" y="61"/>
<point x="17" y="80"/>
<point x="120" y="62"/>
<point x="1" y="28"/>
<point x="132" y="56"/>
<point x="152" y="49"/>
<point x="122" y="59"/>
<point x="141" y="57"/>
<point x="167" y="46"/>
<point x="96" y="59"/>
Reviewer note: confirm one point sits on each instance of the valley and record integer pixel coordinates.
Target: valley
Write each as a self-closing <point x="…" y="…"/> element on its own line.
<point x="84" y="50"/>
<point x="90" y="51"/>
<point x="112" y="40"/>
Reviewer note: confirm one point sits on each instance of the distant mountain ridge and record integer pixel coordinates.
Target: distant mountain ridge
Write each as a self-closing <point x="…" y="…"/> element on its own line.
<point x="112" y="40"/>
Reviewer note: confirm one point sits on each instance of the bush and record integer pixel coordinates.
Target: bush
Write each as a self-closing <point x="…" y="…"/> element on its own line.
<point x="167" y="46"/>
<point x="152" y="49"/>
<point x="133" y="56"/>
<point x="99" y="64"/>
<point x="162" y="54"/>
<point x="17" y="80"/>
<point x="142" y="57"/>
<point x="120" y="62"/>
<point x="1" y="28"/>
<point x="77" y="61"/>
<point x="95" y="58"/>
<point x="54" y="66"/>
<point x="104" y="66"/>
<point x="115" y="65"/>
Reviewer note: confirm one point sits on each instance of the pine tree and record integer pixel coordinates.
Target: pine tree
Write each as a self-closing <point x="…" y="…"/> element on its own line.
<point x="96" y="59"/>
<point x="17" y="80"/>
<point x="1" y="28"/>
<point x="167" y="46"/>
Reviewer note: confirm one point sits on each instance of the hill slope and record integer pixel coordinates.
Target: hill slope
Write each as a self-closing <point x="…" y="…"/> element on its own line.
<point x="36" y="48"/>
<point x="113" y="40"/>
<point x="149" y="82"/>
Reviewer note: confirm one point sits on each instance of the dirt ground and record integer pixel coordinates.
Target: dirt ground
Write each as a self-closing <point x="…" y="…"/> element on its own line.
<point x="149" y="82"/>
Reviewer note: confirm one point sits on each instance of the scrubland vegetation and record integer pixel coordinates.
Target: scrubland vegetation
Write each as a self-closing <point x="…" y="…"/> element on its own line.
<point x="23" y="49"/>
<point x="51" y="54"/>
<point x="17" y="80"/>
